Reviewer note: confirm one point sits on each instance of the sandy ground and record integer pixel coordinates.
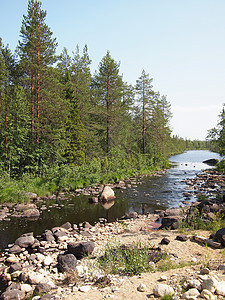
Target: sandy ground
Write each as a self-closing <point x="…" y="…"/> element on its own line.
<point x="141" y="230"/>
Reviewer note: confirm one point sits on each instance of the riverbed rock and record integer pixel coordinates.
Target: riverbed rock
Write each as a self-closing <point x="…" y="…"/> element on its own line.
<point x="107" y="194"/>
<point x="31" y="213"/>
<point x="47" y="235"/>
<point x="66" y="262"/>
<point x="15" y="249"/>
<point x="25" y="240"/>
<point x="81" y="249"/>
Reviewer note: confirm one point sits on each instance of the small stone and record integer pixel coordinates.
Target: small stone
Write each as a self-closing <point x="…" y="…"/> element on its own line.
<point x="165" y="241"/>
<point x="194" y="260"/>
<point x="204" y="271"/>
<point x="141" y="287"/>
<point x="221" y="267"/>
<point x="182" y="238"/>
<point x="207" y="295"/>
<point x="12" y="259"/>
<point x="84" y="288"/>
<point x="26" y="288"/>
<point x="163" y="278"/>
<point x="48" y="261"/>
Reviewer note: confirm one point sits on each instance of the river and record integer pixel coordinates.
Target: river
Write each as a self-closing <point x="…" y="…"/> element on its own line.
<point x="144" y="194"/>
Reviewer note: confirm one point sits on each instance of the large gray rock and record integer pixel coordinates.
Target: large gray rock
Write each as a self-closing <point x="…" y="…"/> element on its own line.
<point x="25" y="240"/>
<point x="81" y="249"/>
<point x="210" y="284"/>
<point x="67" y="262"/>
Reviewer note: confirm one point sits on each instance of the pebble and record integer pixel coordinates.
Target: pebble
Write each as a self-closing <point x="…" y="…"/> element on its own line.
<point x="141" y="287"/>
<point x="84" y="288"/>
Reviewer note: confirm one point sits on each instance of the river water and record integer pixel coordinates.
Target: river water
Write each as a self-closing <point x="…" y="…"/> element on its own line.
<point x="145" y="195"/>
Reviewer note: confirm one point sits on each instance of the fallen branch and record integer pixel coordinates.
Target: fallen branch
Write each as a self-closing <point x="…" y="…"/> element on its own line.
<point x="204" y="240"/>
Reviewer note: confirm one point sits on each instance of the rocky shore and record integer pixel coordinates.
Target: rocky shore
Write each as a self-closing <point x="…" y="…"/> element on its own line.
<point x="61" y="263"/>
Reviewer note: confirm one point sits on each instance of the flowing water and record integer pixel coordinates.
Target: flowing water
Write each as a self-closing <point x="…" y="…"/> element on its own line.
<point x="146" y="195"/>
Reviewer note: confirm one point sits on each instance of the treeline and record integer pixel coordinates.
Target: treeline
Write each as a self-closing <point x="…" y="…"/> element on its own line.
<point x="54" y="112"/>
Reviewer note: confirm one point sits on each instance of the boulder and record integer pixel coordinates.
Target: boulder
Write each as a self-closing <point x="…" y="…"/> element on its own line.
<point x="220" y="236"/>
<point x="171" y="222"/>
<point x="25" y="240"/>
<point x="160" y="290"/>
<point x="107" y="194"/>
<point x="66" y="262"/>
<point x="81" y="249"/>
<point x="211" y="162"/>
<point x="13" y="295"/>
<point x="191" y="294"/>
<point x="31" y="213"/>
<point x="210" y="284"/>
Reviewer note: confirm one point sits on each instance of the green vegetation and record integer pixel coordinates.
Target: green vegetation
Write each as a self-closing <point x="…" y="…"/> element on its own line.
<point x="62" y="127"/>
<point x="132" y="260"/>
<point x="203" y="221"/>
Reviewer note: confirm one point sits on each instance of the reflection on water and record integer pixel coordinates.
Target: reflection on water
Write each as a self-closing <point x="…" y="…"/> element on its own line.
<point x="152" y="193"/>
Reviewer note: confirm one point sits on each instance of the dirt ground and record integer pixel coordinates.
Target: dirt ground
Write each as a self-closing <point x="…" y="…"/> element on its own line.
<point x="141" y="229"/>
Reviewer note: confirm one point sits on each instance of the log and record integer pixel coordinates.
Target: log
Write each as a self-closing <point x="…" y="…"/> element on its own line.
<point x="204" y="240"/>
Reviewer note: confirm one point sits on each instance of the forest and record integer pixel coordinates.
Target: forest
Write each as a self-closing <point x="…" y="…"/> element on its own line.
<point x="63" y="127"/>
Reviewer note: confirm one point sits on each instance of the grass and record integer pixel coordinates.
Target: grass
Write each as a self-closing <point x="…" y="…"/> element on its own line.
<point x="166" y="263"/>
<point x="203" y="221"/>
<point x="132" y="260"/>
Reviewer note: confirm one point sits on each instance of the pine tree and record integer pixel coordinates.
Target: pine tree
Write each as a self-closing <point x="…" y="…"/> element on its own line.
<point x="37" y="52"/>
<point x="42" y="84"/>
<point x="145" y="98"/>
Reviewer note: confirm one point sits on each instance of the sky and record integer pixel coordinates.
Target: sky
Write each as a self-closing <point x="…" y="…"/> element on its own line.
<point x="179" y="43"/>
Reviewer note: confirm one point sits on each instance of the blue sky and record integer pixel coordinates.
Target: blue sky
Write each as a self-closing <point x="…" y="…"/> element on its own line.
<point x="180" y="43"/>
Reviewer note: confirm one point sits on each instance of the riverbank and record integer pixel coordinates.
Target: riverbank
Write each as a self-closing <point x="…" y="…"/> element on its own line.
<point x="33" y="263"/>
<point x="39" y="271"/>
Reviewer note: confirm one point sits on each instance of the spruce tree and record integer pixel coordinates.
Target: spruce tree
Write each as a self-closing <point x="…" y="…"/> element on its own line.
<point x="108" y="86"/>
